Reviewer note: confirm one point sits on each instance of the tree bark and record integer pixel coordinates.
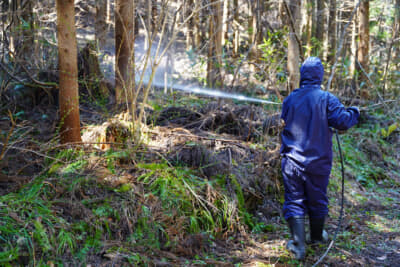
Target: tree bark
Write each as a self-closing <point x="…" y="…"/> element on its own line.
<point x="256" y="29"/>
<point x="236" y="33"/>
<point x="353" y="46"/>
<point x="225" y="22"/>
<point x="293" y="62"/>
<point x="332" y="33"/>
<point x="101" y="24"/>
<point x="320" y="26"/>
<point x="124" y="50"/>
<point x="197" y="24"/>
<point x="309" y="8"/>
<point x="363" y="49"/>
<point x="68" y="72"/>
<point x="190" y="27"/>
<point x="28" y="30"/>
<point x="396" y="52"/>
<point x="214" y="74"/>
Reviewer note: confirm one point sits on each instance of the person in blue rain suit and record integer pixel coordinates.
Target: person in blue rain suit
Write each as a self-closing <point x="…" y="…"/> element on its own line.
<point x="309" y="114"/>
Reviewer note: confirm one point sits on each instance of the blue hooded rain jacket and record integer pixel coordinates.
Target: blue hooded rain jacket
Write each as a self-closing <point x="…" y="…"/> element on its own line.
<point x="309" y="113"/>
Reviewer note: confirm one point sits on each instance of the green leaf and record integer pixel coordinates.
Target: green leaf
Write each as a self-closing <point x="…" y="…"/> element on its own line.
<point x="384" y="133"/>
<point x="392" y="128"/>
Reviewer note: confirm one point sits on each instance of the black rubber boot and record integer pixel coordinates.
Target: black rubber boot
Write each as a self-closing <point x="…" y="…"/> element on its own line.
<point x="317" y="233"/>
<point x="297" y="245"/>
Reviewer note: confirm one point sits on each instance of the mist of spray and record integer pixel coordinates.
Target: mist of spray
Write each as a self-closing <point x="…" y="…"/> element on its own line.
<point x="165" y="69"/>
<point x="214" y="93"/>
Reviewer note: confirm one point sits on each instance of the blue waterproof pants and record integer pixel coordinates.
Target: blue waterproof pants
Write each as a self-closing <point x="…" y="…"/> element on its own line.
<point x="305" y="193"/>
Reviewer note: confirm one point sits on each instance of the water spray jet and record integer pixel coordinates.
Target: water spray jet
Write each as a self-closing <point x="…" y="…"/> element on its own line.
<point x="215" y="93"/>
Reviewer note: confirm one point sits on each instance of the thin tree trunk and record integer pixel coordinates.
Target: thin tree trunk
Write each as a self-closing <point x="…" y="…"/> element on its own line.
<point x="353" y="47"/>
<point x="225" y="22"/>
<point x="67" y="60"/>
<point x="14" y="32"/>
<point x="320" y="25"/>
<point x="252" y="25"/>
<point x="4" y="20"/>
<point x="332" y="33"/>
<point x="309" y="8"/>
<point x="293" y="46"/>
<point x="363" y="50"/>
<point x="214" y="74"/>
<point x="396" y="52"/>
<point x="101" y="24"/>
<point x="197" y="26"/>
<point x="124" y="48"/>
<point x="27" y="36"/>
<point x="236" y="33"/>
<point x="190" y="27"/>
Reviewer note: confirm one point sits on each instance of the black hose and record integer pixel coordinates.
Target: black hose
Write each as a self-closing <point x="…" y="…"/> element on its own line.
<point x="341" y="204"/>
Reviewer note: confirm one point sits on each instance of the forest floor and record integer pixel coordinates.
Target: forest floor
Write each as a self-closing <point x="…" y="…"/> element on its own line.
<point x="202" y="189"/>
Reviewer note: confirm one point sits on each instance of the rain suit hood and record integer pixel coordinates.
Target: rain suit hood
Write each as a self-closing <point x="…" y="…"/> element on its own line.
<point x="311" y="72"/>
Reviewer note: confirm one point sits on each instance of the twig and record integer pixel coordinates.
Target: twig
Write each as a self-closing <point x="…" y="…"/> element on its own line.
<point x="32" y="151"/>
<point x="378" y="104"/>
<point x="372" y="83"/>
<point x="203" y="137"/>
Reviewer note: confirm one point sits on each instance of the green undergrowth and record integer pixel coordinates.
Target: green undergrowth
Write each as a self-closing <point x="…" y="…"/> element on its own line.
<point x="70" y="215"/>
<point x="372" y="180"/>
<point x="369" y="155"/>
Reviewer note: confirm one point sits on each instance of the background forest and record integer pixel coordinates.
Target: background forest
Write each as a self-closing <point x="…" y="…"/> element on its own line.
<point x="147" y="132"/>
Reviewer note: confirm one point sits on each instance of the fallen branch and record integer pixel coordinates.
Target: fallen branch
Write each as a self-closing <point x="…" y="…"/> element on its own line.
<point x="32" y="151"/>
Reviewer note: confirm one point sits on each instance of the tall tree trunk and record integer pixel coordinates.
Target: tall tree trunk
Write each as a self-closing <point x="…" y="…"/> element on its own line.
<point x="256" y="26"/>
<point x="151" y="11"/>
<point x="190" y="27"/>
<point x="309" y="8"/>
<point x="252" y="28"/>
<point x="4" y="20"/>
<point x="236" y="32"/>
<point x="101" y="24"/>
<point x="293" y="63"/>
<point x="225" y="21"/>
<point x="363" y="49"/>
<point x="197" y="24"/>
<point x="14" y="31"/>
<point x="124" y="50"/>
<point x="332" y="33"/>
<point x="353" y="46"/>
<point x="320" y="25"/>
<point x="27" y="33"/>
<point x="396" y="52"/>
<point x="67" y="60"/>
<point x="214" y="74"/>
